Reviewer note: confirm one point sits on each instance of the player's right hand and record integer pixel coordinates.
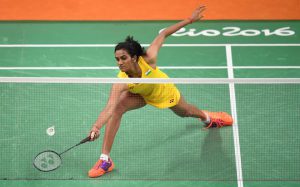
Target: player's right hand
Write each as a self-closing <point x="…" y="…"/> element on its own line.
<point x="94" y="133"/>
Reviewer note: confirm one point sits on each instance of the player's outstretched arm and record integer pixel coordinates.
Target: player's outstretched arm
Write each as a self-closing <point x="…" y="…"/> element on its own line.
<point x="152" y="51"/>
<point x="105" y="114"/>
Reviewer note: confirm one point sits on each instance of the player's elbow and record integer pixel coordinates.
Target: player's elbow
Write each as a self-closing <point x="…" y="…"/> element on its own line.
<point x="165" y="33"/>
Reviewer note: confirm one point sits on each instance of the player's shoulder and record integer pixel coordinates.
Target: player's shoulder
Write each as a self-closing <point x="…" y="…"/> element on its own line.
<point x="122" y="75"/>
<point x="148" y="60"/>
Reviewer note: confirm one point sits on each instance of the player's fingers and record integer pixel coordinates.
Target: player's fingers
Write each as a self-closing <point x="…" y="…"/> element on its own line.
<point x="202" y="9"/>
<point x="96" y="136"/>
<point x="92" y="135"/>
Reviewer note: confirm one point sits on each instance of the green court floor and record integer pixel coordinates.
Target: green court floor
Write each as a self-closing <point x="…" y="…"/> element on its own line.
<point x="153" y="147"/>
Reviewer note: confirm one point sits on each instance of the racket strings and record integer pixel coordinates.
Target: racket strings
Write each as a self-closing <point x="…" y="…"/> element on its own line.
<point x="47" y="161"/>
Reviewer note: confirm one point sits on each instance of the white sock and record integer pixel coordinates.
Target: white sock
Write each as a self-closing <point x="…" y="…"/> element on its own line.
<point x="104" y="157"/>
<point x="207" y="121"/>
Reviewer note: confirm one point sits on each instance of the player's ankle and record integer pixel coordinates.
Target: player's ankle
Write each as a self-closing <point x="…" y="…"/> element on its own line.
<point x="104" y="157"/>
<point x="207" y="118"/>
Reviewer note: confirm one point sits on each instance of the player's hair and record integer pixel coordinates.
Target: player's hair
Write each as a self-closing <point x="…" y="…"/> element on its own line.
<point x="132" y="47"/>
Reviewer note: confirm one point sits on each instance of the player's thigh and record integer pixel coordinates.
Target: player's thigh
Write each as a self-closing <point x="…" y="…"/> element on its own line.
<point x="129" y="101"/>
<point x="181" y="109"/>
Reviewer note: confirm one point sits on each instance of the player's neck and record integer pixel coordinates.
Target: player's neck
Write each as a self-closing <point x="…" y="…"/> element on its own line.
<point x="136" y="72"/>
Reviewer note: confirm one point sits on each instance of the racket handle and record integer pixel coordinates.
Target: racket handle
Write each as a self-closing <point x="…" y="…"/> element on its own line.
<point x="85" y="140"/>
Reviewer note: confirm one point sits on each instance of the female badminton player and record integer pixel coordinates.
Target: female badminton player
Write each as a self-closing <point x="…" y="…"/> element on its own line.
<point x="135" y="62"/>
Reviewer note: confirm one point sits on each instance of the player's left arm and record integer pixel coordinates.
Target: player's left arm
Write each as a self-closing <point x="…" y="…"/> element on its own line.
<point x="153" y="49"/>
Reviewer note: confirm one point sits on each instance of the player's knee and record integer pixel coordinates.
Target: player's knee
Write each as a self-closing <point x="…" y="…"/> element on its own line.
<point x="181" y="115"/>
<point x="120" y="109"/>
<point x="188" y="113"/>
<point x="184" y="114"/>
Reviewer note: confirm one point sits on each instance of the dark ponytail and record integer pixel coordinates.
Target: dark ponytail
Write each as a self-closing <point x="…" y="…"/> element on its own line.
<point x="132" y="46"/>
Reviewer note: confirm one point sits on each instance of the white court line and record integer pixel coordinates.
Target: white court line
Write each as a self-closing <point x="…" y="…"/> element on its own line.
<point x="235" y="129"/>
<point x="160" y="67"/>
<point x="145" y="45"/>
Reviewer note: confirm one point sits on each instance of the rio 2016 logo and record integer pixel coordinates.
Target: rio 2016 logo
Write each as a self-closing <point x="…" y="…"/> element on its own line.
<point x="233" y="31"/>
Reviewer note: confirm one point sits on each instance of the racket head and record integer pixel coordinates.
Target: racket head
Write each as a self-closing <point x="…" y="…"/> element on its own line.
<point x="47" y="161"/>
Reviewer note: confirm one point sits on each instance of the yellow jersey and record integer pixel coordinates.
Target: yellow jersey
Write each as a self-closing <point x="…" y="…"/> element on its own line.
<point x="160" y="95"/>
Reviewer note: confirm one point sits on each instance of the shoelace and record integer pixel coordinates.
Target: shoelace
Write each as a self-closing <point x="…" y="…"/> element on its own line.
<point x="217" y="122"/>
<point x="98" y="164"/>
<point x="105" y="165"/>
<point x="102" y="164"/>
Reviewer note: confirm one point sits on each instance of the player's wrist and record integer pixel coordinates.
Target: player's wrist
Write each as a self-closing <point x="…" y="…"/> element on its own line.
<point x="190" y="20"/>
<point x="96" y="126"/>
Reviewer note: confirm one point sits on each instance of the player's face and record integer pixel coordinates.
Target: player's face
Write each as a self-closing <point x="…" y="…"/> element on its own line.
<point x="124" y="60"/>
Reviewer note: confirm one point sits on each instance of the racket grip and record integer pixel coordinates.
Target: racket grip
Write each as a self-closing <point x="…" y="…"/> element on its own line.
<point x="85" y="140"/>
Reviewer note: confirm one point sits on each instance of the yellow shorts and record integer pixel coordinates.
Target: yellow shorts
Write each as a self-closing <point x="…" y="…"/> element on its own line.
<point x="170" y="99"/>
